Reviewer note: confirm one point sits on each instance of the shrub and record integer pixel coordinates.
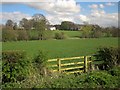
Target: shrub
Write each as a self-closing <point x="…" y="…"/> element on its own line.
<point x="33" y="37"/>
<point x="85" y="34"/>
<point x="22" y="35"/>
<point x="9" y="35"/>
<point x="14" y="66"/>
<point x="115" y="71"/>
<point x="47" y="35"/>
<point x="96" y="34"/>
<point x="109" y="56"/>
<point x="100" y="79"/>
<point x="60" y="35"/>
<point x="40" y="61"/>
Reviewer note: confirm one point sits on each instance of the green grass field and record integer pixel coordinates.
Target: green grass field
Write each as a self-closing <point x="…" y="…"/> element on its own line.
<point x="70" y="34"/>
<point x="61" y="48"/>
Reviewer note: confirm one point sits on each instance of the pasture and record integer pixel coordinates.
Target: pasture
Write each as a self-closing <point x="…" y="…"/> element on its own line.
<point x="70" y="34"/>
<point x="61" y="48"/>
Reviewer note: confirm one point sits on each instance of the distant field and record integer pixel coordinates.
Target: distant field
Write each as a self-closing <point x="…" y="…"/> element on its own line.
<point x="61" y="48"/>
<point x="70" y="34"/>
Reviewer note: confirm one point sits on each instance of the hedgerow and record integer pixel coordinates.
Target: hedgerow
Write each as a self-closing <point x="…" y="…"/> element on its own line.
<point x="14" y="66"/>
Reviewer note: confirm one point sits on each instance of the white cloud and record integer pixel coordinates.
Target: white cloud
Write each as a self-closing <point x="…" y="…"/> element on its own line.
<point x="67" y="10"/>
<point x="93" y="6"/>
<point x="101" y="6"/>
<point x="100" y="17"/>
<point x="27" y="1"/>
<point x="57" y="19"/>
<point x="58" y="7"/>
<point x="54" y="0"/>
<point x="59" y="10"/>
<point x="15" y="16"/>
<point x="96" y="6"/>
<point x="110" y="4"/>
<point x="104" y="19"/>
<point x="82" y="18"/>
<point x="97" y="13"/>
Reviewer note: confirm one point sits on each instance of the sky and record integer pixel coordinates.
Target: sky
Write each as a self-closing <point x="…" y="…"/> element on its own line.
<point x="102" y="13"/>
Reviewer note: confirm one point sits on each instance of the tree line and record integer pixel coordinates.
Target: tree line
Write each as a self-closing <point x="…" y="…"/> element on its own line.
<point x="12" y="31"/>
<point x="24" y="30"/>
<point x="95" y="31"/>
<point x="28" y="24"/>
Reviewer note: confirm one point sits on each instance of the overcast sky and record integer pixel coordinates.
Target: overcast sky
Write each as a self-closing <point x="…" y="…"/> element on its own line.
<point x="56" y="11"/>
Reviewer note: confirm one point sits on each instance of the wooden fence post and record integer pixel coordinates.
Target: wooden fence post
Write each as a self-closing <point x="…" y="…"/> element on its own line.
<point x="90" y="64"/>
<point x="59" y="65"/>
<point x="85" y="63"/>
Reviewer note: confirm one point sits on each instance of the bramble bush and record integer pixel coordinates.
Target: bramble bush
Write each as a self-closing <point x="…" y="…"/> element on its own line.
<point x="40" y="61"/>
<point x="115" y="71"/>
<point x="96" y="79"/>
<point x="110" y="57"/>
<point x="14" y="66"/>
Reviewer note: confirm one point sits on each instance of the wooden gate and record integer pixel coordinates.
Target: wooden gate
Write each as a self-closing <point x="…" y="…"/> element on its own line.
<point x="70" y="65"/>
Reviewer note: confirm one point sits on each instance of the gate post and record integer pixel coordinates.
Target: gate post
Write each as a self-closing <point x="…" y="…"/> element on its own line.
<point x="90" y="64"/>
<point x="59" y="65"/>
<point x="85" y="64"/>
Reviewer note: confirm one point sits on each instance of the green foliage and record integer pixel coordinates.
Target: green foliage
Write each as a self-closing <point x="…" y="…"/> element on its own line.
<point x="115" y="71"/>
<point x="26" y="24"/>
<point x="111" y="31"/>
<point x="40" y="62"/>
<point x="60" y="35"/>
<point x="100" y="79"/>
<point x="14" y="66"/>
<point x="97" y="79"/>
<point x="12" y="35"/>
<point x="62" y="81"/>
<point x="46" y="35"/>
<point x="22" y="35"/>
<point x="34" y="35"/>
<point x="87" y="30"/>
<point x="41" y="27"/>
<point x="67" y="25"/>
<point x="90" y="31"/>
<point x="41" y="58"/>
<point x="9" y="35"/>
<point x="96" y="34"/>
<point x="109" y="55"/>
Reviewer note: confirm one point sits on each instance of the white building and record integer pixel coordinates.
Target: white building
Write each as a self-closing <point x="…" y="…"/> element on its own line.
<point x="52" y="28"/>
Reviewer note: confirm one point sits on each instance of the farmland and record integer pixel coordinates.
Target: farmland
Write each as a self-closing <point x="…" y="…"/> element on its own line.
<point x="60" y="44"/>
<point x="61" y="48"/>
<point x="71" y="34"/>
